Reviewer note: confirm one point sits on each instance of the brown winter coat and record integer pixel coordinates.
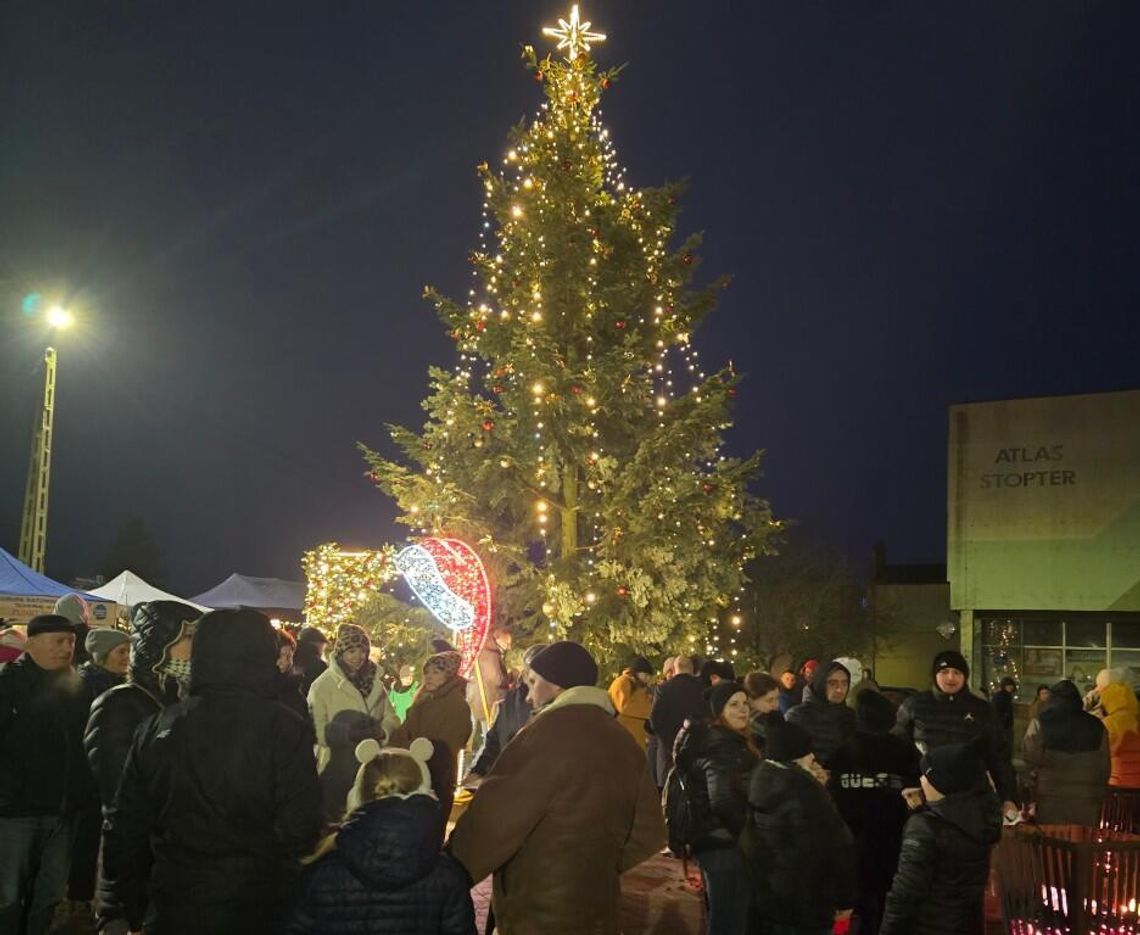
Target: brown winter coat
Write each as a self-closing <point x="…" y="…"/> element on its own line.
<point x="444" y="718"/>
<point x="633" y="703"/>
<point x="567" y="807"/>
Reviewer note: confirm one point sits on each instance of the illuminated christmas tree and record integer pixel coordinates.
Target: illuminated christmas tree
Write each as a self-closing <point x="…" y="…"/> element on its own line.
<point x="577" y="443"/>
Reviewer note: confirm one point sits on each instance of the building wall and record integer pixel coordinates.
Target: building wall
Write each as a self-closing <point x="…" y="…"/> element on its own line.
<point x="1044" y="504"/>
<point x="907" y="616"/>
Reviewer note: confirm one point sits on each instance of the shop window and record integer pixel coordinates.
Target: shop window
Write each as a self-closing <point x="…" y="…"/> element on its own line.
<point x="1125" y="635"/>
<point x="1042" y="633"/>
<point x="1085" y="633"/>
<point x="1082" y="665"/>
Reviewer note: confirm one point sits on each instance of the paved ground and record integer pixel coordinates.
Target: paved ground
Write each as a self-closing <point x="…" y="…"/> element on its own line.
<point x="656" y="900"/>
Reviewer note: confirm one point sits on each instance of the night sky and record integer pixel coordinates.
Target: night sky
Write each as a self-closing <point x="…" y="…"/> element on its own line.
<point x="921" y="203"/>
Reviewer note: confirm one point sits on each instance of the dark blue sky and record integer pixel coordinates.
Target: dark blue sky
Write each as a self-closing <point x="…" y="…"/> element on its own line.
<point x="921" y="203"/>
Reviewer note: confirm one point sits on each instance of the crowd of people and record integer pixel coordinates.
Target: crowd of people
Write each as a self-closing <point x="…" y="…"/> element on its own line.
<point x="213" y="773"/>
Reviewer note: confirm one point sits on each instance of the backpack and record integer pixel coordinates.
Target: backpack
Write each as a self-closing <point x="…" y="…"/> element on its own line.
<point x="678" y="813"/>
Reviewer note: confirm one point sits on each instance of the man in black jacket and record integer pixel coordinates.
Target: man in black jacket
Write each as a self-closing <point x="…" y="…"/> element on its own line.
<point x="949" y="713"/>
<point x="161" y="635"/>
<point x="683" y="696"/>
<point x="824" y="713"/>
<point x="42" y="774"/>
<point x="225" y="786"/>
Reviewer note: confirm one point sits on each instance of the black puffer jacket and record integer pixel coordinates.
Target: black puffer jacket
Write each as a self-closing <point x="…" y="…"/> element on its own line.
<point x="224" y="787"/>
<point x="830" y="725"/>
<point x="717" y="763"/>
<point x="943" y="867"/>
<point x="934" y="719"/>
<point x="116" y="714"/>
<point x="386" y="875"/>
<point x="800" y="852"/>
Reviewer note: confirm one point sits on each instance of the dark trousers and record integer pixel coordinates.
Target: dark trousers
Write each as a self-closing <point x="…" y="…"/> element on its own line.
<point x="35" y="857"/>
<point x="726" y="891"/>
<point x="85" y="853"/>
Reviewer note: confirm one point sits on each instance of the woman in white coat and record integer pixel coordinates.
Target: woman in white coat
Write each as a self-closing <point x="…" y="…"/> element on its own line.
<point x="348" y="703"/>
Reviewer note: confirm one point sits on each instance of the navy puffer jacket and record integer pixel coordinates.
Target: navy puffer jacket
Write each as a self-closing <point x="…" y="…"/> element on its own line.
<point x="386" y="875"/>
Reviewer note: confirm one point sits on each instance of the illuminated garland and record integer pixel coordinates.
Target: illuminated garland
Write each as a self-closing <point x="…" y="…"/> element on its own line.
<point x="340" y="583"/>
<point x="449" y="578"/>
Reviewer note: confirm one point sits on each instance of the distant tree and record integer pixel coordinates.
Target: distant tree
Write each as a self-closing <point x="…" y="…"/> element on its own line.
<point x="806" y="601"/>
<point x="133" y="548"/>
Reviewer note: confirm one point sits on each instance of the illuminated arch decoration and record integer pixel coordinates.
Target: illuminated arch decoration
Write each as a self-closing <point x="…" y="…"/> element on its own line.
<point x="450" y="580"/>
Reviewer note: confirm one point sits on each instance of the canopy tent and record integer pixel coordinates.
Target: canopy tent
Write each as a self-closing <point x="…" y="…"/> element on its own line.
<point x="260" y="593"/>
<point x="24" y="593"/>
<point x="129" y="589"/>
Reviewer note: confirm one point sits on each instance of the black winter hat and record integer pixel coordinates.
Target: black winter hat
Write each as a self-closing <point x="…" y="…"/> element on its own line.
<point x="874" y="713"/>
<point x="640" y="664"/>
<point x="311" y="635"/>
<point x="950" y="659"/>
<point x="719" y="694"/>
<point x="784" y="741"/>
<point x="956" y="767"/>
<point x="566" y="664"/>
<point x="50" y="623"/>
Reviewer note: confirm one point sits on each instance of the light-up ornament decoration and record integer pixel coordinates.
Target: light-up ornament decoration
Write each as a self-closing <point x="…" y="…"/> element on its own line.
<point x="450" y="580"/>
<point x="574" y="36"/>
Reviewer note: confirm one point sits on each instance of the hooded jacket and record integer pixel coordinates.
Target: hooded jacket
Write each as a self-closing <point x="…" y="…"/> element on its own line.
<point x="800" y="853"/>
<point x="567" y="807"/>
<point x="633" y="702"/>
<point x="830" y="725"/>
<point x="386" y="876"/>
<point x="717" y="763"/>
<point x="939" y="888"/>
<point x="1120" y="720"/>
<point x="223" y="787"/>
<point x="1066" y="751"/>
<point x="932" y="719"/>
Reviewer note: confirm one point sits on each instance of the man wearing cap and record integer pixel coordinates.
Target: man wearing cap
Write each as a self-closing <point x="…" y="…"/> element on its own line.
<point x="629" y="693"/>
<point x="567" y="807"/>
<point x="42" y="773"/>
<point x="945" y="859"/>
<point x="948" y="712"/>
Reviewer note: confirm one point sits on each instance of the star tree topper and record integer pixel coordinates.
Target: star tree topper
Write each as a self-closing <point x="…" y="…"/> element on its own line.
<point x="573" y="35"/>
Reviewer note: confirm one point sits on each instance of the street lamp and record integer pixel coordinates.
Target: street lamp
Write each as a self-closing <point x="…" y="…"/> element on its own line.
<point x="33" y="530"/>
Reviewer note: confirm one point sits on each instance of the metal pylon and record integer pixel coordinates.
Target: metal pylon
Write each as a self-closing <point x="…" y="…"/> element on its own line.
<point x="33" y="530"/>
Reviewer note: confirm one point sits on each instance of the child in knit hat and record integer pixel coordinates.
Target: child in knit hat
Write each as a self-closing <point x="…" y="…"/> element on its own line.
<point x="384" y="870"/>
<point x="945" y="858"/>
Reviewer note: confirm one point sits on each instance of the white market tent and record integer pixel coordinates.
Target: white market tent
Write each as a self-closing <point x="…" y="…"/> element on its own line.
<point x="129" y="589"/>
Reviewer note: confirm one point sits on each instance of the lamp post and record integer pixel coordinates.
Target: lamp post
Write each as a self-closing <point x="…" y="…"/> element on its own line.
<point x="33" y="530"/>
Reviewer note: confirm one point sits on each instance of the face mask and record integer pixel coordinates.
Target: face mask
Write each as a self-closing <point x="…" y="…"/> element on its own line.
<point x="179" y="670"/>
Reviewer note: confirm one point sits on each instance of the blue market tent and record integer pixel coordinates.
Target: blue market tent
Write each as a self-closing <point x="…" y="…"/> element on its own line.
<point x="260" y="593"/>
<point x="18" y="580"/>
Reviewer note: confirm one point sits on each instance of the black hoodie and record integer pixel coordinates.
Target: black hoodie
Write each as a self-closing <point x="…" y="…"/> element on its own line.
<point x="386" y="876"/>
<point x="830" y="725"/>
<point x="225" y="785"/>
<point x="944" y="866"/>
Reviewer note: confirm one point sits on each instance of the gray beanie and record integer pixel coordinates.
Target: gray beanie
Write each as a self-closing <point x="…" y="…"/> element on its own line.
<point x="102" y="640"/>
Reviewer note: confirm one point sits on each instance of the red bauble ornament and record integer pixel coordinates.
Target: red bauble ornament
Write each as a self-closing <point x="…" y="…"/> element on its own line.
<point x="427" y="446"/>
<point x="708" y="488"/>
<point x="687" y="259"/>
<point x="373" y="476"/>
<point x="455" y="335"/>
<point x="497" y="388"/>
<point x="576" y="389"/>
<point x="488" y="426"/>
<point x="731" y="391"/>
<point x="620" y="324"/>
<point x="480" y="325"/>
<point x="623" y="591"/>
<point x="538" y="76"/>
<point x="606" y="83"/>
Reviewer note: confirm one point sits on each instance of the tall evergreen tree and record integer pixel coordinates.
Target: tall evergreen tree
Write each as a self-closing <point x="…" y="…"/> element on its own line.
<point x="577" y="443"/>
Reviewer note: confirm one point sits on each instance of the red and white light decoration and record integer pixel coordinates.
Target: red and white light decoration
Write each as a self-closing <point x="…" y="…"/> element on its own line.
<point x="450" y="580"/>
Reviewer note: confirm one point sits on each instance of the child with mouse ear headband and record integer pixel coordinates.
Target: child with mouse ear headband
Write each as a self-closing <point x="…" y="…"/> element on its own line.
<point x="385" y="866"/>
